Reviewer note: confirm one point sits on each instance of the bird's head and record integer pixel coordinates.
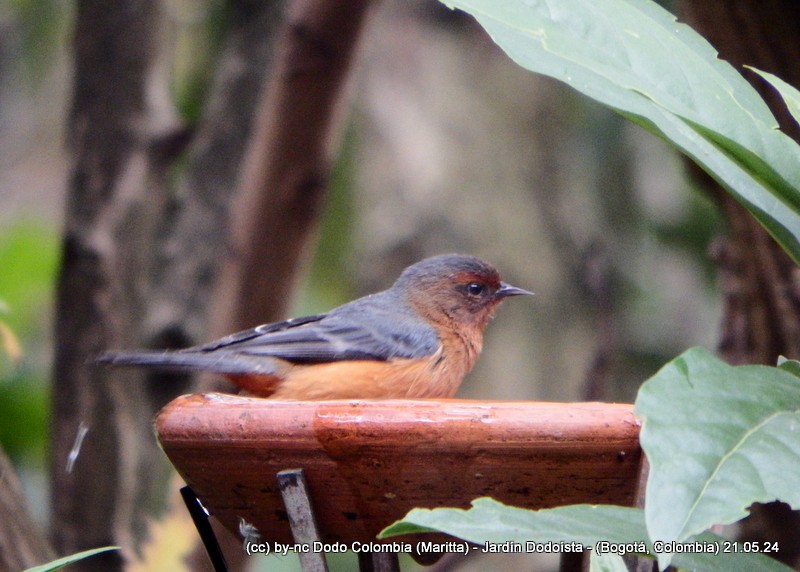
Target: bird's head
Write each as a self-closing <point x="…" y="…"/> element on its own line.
<point x="455" y="288"/>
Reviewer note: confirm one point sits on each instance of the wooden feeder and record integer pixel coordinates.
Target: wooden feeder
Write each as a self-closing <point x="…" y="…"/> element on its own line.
<point x="365" y="464"/>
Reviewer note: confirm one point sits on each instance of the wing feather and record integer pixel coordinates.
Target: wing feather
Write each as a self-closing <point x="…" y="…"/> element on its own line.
<point x="372" y="328"/>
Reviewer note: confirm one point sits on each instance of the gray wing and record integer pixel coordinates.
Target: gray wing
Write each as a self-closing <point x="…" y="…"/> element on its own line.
<point x="372" y="328"/>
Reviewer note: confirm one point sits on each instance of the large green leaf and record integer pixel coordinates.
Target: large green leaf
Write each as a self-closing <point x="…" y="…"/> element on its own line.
<point x="587" y="525"/>
<point x="491" y="521"/>
<point x="726" y="557"/>
<point x="632" y="56"/>
<point x="718" y="438"/>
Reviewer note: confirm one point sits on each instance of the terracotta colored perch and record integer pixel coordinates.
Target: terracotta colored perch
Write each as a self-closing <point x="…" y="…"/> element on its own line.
<point x="369" y="462"/>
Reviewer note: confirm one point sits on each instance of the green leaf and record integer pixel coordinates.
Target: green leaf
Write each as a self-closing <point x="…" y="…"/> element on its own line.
<point x="67" y="560"/>
<point x="718" y="438"/>
<point x="586" y="525"/>
<point x="790" y="94"/>
<point x="723" y="558"/>
<point x="491" y="521"/>
<point x="607" y="563"/>
<point x="632" y="56"/>
<point x="790" y="365"/>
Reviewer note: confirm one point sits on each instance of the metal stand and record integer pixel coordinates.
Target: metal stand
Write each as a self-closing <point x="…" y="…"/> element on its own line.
<point x="200" y="519"/>
<point x="297" y="500"/>
<point x="294" y="490"/>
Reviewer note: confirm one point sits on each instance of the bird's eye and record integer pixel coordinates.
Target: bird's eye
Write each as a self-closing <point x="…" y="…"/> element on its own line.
<point x="475" y="289"/>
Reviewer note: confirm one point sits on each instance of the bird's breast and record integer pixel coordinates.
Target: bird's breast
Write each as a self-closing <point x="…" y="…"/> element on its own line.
<point x="457" y="355"/>
<point x="436" y="376"/>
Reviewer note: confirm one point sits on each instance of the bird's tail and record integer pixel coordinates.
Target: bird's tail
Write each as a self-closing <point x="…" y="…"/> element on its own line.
<point x="227" y="363"/>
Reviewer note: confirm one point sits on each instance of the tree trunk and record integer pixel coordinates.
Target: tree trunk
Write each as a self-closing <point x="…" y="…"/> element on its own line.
<point x="98" y="499"/>
<point x="140" y="262"/>
<point x="762" y="309"/>
<point x="132" y="276"/>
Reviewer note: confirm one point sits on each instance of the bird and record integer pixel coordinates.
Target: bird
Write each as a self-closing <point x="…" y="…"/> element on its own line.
<point x="417" y="339"/>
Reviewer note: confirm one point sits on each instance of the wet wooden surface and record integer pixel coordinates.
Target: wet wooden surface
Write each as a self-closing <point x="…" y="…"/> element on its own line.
<point x="368" y="462"/>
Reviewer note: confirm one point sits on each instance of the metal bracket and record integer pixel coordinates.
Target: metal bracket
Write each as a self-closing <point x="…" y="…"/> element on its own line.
<point x="297" y="501"/>
<point x="200" y="518"/>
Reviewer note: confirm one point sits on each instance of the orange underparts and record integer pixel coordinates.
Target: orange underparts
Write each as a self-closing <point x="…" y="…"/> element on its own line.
<point x="359" y="379"/>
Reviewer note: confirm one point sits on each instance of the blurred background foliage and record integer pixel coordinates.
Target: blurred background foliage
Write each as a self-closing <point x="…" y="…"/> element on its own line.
<point x="451" y="147"/>
<point x="29" y="261"/>
<point x="28" y="257"/>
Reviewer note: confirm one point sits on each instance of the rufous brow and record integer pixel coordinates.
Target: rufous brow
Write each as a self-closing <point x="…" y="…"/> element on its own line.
<point x="467" y="277"/>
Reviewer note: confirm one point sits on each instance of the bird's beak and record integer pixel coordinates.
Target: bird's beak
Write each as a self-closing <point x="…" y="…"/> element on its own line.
<point x="506" y="290"/>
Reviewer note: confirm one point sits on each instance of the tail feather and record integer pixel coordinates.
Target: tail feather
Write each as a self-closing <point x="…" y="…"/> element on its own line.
<point x="228" y="363"/>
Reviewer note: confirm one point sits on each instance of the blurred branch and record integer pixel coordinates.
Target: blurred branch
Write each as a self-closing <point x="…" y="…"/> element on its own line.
<point x="22" y="542"/>
<point x="196" y="224"/>
<point x="597" y="279"/>
<point x="289" y="161"/>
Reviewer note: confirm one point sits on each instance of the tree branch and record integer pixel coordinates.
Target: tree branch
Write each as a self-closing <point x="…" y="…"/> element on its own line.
<point x="289" y="161"/>
<point x="197" y="221"/>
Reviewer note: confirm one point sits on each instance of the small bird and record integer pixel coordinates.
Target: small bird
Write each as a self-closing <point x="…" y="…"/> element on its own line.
<point x="417" y="339"/>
